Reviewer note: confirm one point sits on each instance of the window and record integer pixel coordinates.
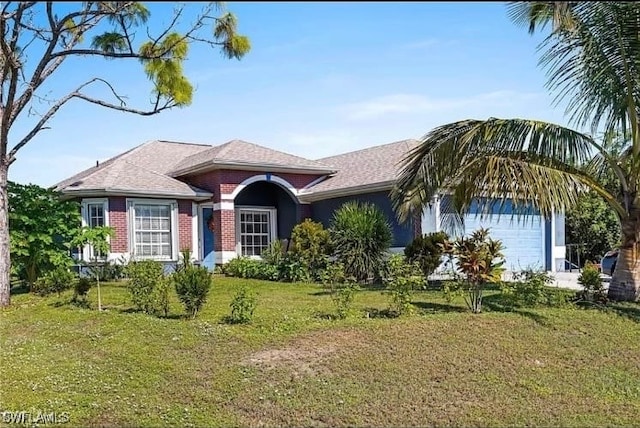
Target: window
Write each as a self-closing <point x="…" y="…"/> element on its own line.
<point x="256" y="230"/>
<point x="153" y="229"/>
<point x="94" y="214"/>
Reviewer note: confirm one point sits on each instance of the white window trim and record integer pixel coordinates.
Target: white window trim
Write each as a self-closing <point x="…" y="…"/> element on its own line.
<point x="84" y="211"/>
<point x="173" y="209"/>
<point x="273" y="219"/>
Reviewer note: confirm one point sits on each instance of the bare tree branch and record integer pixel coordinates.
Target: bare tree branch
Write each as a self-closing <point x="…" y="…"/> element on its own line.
<point x="77" y="94"/>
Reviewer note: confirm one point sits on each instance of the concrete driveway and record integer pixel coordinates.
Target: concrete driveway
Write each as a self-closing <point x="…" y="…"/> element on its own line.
<point x="570" y="280"/>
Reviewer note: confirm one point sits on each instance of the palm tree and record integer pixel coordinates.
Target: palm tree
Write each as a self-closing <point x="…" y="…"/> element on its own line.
<point x="592" y="56"/>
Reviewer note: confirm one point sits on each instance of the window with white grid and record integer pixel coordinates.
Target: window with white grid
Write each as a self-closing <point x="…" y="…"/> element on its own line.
<point x="152" y="231"/>
<point x="256" y="230"/>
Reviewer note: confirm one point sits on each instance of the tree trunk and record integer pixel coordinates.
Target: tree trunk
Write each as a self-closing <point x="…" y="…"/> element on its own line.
<point x="625" y="283"/>
<point x="5" y="261"/>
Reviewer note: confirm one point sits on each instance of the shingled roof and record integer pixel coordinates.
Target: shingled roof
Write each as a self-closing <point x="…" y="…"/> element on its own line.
<point x="152" y="169"/>
<point x="141" y="170"/>
<point x="370" y="169"/>
<point x="241" y="154"/>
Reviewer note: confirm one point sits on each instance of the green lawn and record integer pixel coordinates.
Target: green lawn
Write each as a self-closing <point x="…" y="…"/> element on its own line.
<point x="295" y="366"/>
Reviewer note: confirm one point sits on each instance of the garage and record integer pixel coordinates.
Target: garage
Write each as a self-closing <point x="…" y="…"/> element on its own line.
<point x="522" y="238"/>
<point x="528" y="240"/>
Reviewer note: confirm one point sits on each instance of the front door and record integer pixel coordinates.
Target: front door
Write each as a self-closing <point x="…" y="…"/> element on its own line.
<point x="208" y="254"/>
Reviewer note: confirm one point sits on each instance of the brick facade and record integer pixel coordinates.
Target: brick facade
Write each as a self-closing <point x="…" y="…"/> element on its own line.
<point x="118" y="220"/>
<point x="224" y="182"/>
<point x="185" y="225"/>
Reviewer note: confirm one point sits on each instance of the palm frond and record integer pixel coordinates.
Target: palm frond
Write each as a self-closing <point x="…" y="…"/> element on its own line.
<point x="596" y="67"/>
<point x="530" y="162"/>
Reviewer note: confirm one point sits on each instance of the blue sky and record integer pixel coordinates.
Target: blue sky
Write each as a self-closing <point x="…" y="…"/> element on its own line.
<point x="321" y="79"/>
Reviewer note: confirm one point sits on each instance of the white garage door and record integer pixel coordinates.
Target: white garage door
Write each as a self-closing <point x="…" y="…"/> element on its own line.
<point x="522" y="238"/>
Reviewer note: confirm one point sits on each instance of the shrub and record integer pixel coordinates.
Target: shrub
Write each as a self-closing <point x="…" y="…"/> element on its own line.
<point x="427" y="250"/>
<point x="343" y="296"/>
<point x="293" y="269"/>
<point x="274" y="253"/>
<point x="479" y="262"/>
<point x="361" y="236"/>
<point x="147" y="286"/>
<point x="243" y="306"/>
<point x="312" y="246"/>
<point x="529" y="288"/>
<point x="192" y="285"/>
<point x="402" y="278"/>
<point x="80" y="291"/>
<point x="55" y="281"/>
<point x="106" y="271"/>
<point x="591" y="283"/>
<point x="245" y="267"/>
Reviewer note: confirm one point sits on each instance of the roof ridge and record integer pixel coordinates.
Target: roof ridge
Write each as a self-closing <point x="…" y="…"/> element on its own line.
<point x="184" y="143"/>
<point x="406" y="140"/>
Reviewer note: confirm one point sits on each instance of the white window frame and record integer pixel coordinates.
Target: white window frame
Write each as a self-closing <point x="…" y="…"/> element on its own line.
<point x="131" y="225"/>
<point x="87" y="250"/>
<point x="273" y="225"/>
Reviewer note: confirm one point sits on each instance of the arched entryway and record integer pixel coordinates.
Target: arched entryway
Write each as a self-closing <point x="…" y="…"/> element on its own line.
<point x="264" y="211"/>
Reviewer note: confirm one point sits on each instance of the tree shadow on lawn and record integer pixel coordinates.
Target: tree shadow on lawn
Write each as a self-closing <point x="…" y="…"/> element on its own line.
<point x="497" y="303"/>
<point x="627" y="310"/>
<point x="431" y="307"/>
<point x="19" y="289"/>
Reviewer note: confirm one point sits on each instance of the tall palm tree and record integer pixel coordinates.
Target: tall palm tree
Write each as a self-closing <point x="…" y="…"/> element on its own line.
<point x="592" y="56"/>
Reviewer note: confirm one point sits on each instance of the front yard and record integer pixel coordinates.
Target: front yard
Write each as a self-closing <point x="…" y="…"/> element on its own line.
<point x="296" y="366"/>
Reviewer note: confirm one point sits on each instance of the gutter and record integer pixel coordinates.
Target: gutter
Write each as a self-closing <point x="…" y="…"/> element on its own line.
<point x="346" y="191"/>
<point x="198" y="196"/>
<point x="251" y="166"/>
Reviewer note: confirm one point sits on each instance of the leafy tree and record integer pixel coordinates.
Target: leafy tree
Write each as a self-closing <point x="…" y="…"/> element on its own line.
<point x="38" y="37"/>
<point x="42" y="230"/>
<point x="592" y="56"/>
<point x="361" y="236"/>
<point x="98" y="238"/>
<point x="427" y="251"/>
<point x="593" y="226"/>
<point x="312" y="245"/>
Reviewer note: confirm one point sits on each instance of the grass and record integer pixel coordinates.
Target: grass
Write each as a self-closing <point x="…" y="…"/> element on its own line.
<point x="295" y="365"/>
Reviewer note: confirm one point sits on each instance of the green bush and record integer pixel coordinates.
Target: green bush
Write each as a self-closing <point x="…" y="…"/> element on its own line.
<point x="361" y="236"/>
<point x="245" y="267"/>
<point x="274" y="253"/>
<point x="591" y="283"/>
<point x="243" y="306"/>
<point x="106" y="271"/>
<point x="343" y="296"/>
<point x="80" y="291"/>
<point x="148" y="286"/>
<point x="192" y="285"/>
<point x="402" y="279"/>
<point x="293" y="269"/>
<point x="55" y="281"/>
<point x="529" y="288"/>
<point x="427" y="250"/>
<point x="311" y="243"/>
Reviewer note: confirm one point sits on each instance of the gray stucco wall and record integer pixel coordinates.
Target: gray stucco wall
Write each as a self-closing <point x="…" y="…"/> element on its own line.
<point x="322" y="211"/>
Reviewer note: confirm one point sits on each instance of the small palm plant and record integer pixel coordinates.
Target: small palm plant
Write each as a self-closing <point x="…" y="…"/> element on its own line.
<point x="361" y="236"/>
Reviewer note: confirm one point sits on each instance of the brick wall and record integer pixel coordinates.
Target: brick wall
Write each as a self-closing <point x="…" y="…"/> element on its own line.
<point x="225" y="230"/>
<point x="225" y="181"/>
<point x="184" y="225"/>
<point x="118" y="220"/>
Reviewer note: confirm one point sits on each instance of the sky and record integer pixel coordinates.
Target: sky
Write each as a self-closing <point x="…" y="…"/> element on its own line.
<point x="321" y="79"/>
